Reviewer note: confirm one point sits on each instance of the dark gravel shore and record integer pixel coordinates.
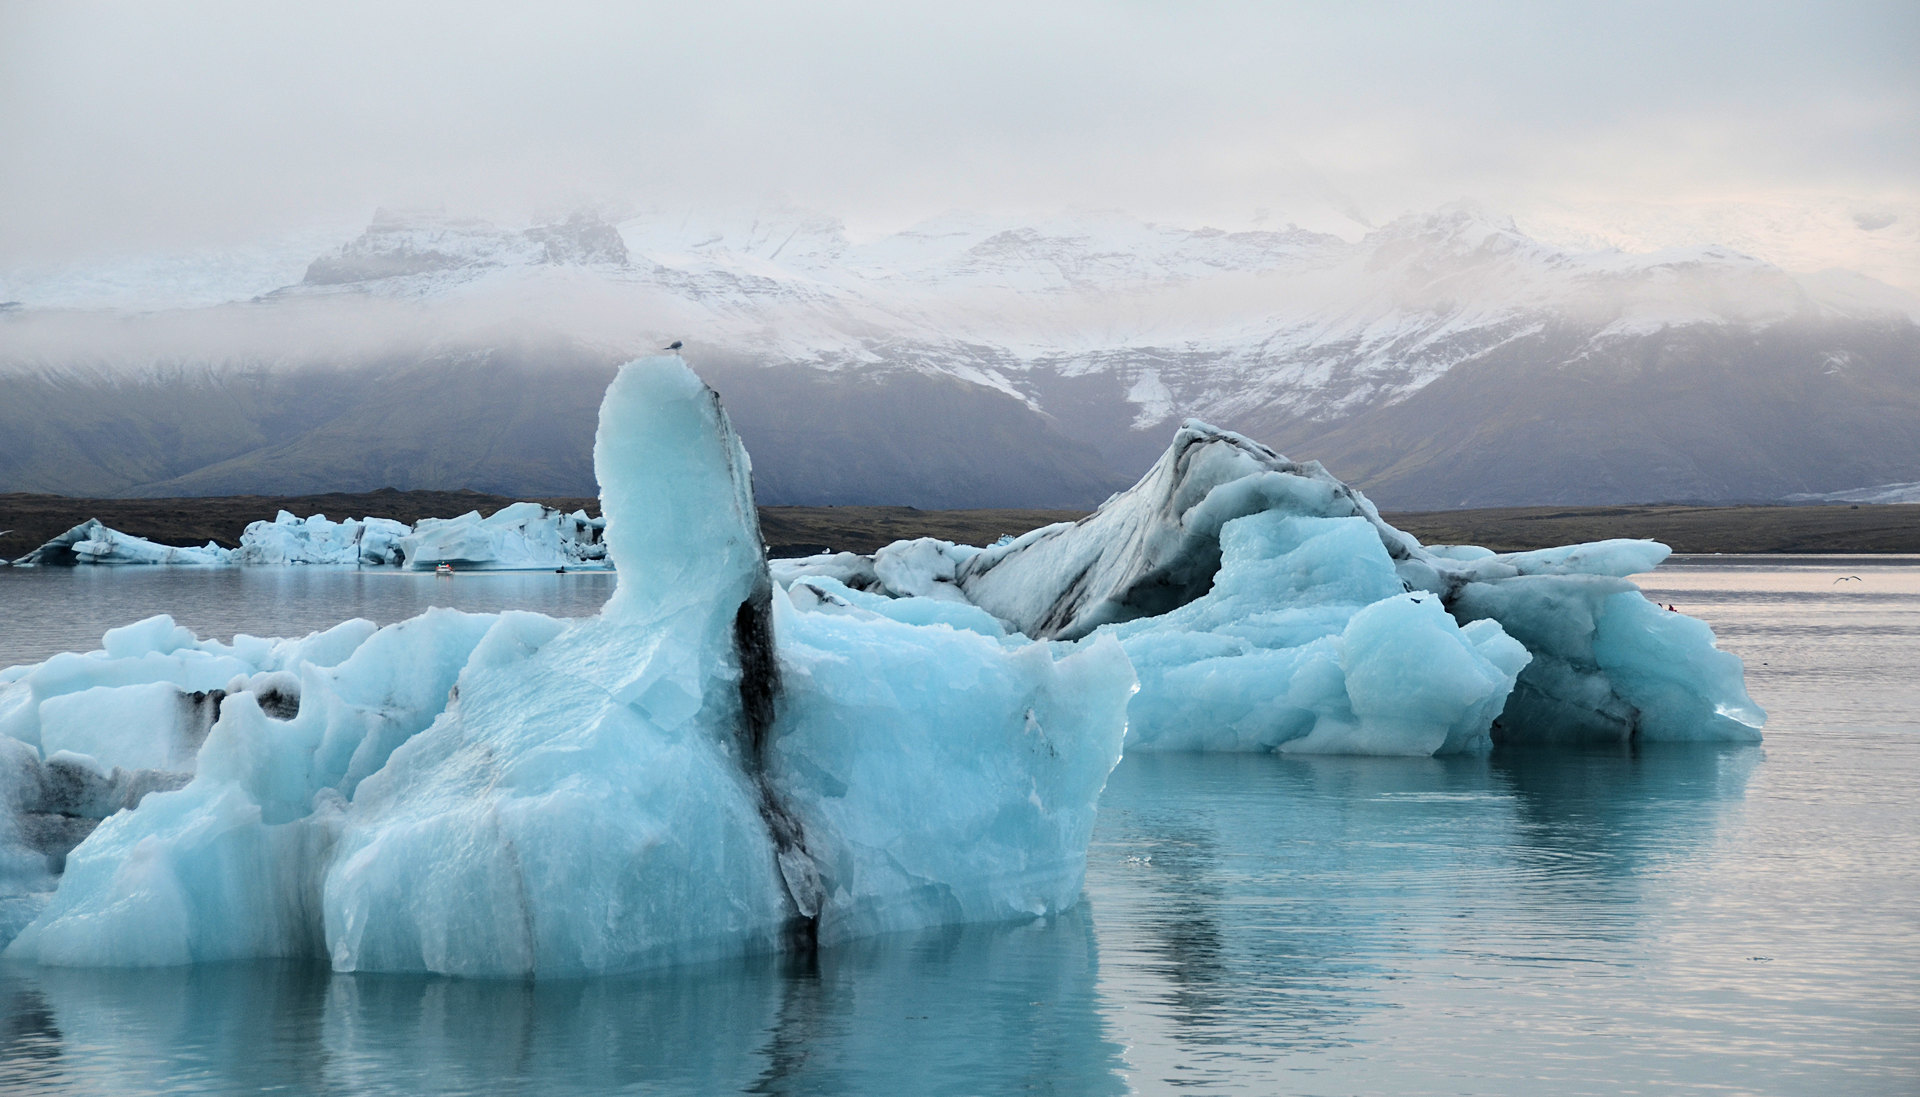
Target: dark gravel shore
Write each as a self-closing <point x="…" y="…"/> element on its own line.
<point x="30" y="520"/>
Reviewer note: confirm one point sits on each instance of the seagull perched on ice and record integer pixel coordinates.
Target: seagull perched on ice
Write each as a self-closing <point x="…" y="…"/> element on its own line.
<point x="675" y="345"/>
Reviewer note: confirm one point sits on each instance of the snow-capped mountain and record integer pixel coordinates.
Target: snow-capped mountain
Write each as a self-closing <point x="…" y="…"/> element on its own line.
<point x="447" y="251"/>
<point x="1450" y="333"/>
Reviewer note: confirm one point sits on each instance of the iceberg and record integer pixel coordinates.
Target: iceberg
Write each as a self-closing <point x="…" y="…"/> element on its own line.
<point x="90" y="542"/>
<point x="739" y="756"/>
<point x="703" y="769"/>
<point x="517" y="536"/>
<point x="287" y="540"/>
<point x="1266" y="605"/>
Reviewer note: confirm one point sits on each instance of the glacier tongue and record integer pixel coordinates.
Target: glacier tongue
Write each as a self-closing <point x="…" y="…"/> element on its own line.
<point x="698" y="771"/>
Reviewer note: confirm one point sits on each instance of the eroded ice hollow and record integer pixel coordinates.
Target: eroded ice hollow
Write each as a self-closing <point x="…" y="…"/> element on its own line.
<point x="698" y="771"/>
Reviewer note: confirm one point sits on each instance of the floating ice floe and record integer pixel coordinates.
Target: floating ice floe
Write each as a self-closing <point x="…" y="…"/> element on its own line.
<point x="1265" y="605"/>
<point x="698" y="771"/>
<point x="367" y="542"/>
<point x="519" y="536"/>
<point x="90" y="542"/>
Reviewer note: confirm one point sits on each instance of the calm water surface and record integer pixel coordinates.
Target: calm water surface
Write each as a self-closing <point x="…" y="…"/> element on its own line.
<point x="48" y="610"/>
<point x="1611" y="922"/>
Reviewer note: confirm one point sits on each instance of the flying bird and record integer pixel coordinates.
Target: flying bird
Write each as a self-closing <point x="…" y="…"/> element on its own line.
<point x="1844" y="578"/>
<point x="675" y="345"/>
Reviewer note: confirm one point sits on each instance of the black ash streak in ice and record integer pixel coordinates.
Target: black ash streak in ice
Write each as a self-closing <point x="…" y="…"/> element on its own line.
<point x="753" y="647"/>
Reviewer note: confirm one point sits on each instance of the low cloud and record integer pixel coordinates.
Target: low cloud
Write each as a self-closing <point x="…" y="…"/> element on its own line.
<point x="133" y="126"/>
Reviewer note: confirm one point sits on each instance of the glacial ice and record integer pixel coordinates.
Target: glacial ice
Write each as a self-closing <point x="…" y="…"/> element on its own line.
<point x="737" y="756"/>
<point x="90" y="542"/>
<point x="702" y="769"/>
<point x="314" y="540"/>
<point x="1266" y="605"/>
<point x="519" y="536"/>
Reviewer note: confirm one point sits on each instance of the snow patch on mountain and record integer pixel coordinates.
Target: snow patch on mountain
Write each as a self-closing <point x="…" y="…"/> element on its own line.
<point x="1274" y="324"/>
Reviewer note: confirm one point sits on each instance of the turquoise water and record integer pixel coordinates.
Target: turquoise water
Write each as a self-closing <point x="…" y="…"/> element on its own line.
<point x="1683" y="920"/>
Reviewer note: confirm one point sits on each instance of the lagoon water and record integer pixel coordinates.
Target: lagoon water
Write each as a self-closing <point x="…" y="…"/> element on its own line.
<point x="1546" y="922"/>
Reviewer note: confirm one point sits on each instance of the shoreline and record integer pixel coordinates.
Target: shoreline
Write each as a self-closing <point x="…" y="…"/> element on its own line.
<point x="28" y="521"/>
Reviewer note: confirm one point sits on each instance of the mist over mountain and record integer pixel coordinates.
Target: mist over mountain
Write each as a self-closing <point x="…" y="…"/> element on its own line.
<point x="1445" y="359"/>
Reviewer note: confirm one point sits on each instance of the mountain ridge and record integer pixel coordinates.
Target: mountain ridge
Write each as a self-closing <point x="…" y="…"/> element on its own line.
<point x="1094" y="333"/>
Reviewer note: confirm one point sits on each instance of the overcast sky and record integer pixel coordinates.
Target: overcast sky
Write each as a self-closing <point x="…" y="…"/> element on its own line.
<point x="128" y="126"/>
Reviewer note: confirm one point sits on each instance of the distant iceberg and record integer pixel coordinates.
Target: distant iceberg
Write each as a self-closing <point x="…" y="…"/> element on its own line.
<point x="288" y="540"/>
<point x="519" y="536"/>
<point x="90" y="542"/>
<point x="700" y="770"/>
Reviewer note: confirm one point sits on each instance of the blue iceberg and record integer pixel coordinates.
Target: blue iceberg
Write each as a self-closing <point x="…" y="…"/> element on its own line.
<point x="698" y="771"/>
<point x="737" y="757"/>
<point x="1265" y="605"/>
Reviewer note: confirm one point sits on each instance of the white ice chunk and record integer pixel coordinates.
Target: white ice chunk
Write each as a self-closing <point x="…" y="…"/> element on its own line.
<point x="517" y="536"/>
<point x="91" y="542"/>
<point x="922" y="568"/>
<point x="849" y="568"/>
<point x="155" y="725"/>
<point x="288" y="540"/>
<point x="826" y="594"/>
<point x="158" y="656"/>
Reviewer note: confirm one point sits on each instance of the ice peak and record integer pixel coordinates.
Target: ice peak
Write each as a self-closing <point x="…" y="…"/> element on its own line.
<point x="676" y="489"/>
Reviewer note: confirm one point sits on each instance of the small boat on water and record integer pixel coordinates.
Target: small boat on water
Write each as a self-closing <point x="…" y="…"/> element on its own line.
<point x="444" y="569"/>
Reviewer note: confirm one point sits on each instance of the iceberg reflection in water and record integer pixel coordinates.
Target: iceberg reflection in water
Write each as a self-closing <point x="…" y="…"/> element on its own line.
<point x="950" y="1011"/>
<point x="1253" y="923"/>
<point x="1286" y="918"/>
